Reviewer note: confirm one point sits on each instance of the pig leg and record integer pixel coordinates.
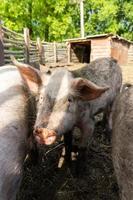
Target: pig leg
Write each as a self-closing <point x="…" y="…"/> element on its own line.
<point x="68" y="146"/>
<point x="106" y="117"/>
<point x="107" y="120"/>
<point x="75" y="143"/>
<point x="86" y="129"/>
<point x="33" y="152"/>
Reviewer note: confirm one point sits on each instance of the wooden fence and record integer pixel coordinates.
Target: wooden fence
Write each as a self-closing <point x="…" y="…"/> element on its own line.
<point x="55" y="52"/>
<point x="28" y="51"/>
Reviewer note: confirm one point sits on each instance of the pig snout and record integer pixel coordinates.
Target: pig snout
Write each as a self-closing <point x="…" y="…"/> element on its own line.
<point x="45" y="136"/>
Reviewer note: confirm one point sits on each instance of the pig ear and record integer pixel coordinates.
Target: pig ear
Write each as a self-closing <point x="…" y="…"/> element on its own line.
<point x="42" y="67"/>
<point x="86" y="90"/>
<point x="31" y="78"/>
<point x="30" y="75"/>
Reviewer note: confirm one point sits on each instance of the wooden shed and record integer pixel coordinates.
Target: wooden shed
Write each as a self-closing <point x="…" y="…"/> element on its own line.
<point x="130" y="54"/>
<point x="89" y="48"/>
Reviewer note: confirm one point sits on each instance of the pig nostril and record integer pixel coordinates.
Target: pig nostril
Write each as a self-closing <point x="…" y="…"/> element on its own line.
<point x="37" y="131"/>
<point x="44" y="135"/>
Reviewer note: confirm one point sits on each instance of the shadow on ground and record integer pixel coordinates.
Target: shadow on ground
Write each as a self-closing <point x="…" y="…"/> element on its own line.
<point x="96" y="182"/>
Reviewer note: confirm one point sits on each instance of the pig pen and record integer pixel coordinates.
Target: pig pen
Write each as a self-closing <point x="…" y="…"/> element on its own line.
<point x="95" y="181"/>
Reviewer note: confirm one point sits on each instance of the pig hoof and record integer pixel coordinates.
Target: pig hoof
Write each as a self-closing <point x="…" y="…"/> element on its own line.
<point x="74" y="156"/>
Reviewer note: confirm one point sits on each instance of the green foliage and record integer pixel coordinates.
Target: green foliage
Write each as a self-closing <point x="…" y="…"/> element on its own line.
<point x="56" y="20"/>
<point x="109" y="16"/>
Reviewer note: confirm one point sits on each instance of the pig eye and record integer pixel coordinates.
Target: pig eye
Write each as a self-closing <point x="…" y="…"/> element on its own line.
<point x="41" y="99"/>
<point x="70" y="99"/>
<point x="37" y="99"/>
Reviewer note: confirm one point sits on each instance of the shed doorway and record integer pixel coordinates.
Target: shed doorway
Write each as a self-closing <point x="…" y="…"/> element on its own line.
<point x="81" y="52"/>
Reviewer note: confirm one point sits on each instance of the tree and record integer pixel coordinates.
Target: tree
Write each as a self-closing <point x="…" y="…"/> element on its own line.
<point x="56" y="20"/>
<point x="125" y="18"/>
<point x="105" y="16"/>
<point x="51" y="19"/>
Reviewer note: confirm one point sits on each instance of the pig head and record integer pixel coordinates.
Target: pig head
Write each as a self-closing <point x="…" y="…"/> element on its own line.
<point x="62" y="103"/>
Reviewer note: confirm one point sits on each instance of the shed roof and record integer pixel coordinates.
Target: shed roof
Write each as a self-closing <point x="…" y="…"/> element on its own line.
<point x="91" y="37"/>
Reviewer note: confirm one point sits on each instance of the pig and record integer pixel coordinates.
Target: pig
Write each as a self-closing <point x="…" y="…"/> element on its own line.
<point x="122" y="141"/>
<point x="17" y="111"/>
<point x="68" y="99"/>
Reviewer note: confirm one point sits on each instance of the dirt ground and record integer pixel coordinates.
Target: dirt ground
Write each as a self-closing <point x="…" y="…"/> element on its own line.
<point x="95" y="179"/>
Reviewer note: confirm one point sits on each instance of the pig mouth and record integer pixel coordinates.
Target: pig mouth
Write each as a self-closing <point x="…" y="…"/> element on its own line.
<point x="44" y="136"/>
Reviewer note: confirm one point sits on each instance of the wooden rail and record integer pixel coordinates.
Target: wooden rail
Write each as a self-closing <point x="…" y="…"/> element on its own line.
<point x="28" y="51"/>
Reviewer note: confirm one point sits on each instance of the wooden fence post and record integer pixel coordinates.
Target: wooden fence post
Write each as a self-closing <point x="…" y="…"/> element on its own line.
<point x="55" y="53"/>
<point x="27" y="45"/>
<point x="69" y="52"/>
<point x="40" y="50"/>
<point x="2" y="62"/>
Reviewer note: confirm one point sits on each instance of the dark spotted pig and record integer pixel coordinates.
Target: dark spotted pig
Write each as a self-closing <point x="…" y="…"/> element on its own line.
<point x="66" y="101"/>
<point x="122" y="142"/>
<point x="14" y="127"/>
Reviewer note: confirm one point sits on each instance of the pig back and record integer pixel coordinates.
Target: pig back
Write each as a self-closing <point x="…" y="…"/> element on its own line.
<point x="103" y="72"/>
<point x="122" y="142"/>
<point x="13" y="130"/>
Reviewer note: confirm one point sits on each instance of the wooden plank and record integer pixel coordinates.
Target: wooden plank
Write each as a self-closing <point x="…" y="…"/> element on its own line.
<point x="8" y="60"/>
<point x="12" y="37"/>
<point x="13" y="41"/>
<point x="69" y="52"/>
<point x="13" y="32"/>
<point x="9" y="45"/>
<point x="55" y="52"/>
<point x="13" y="52"/>
<point x="1" y="47"/>
<point x="27" y="44"/>
<point x="40" y="50"/>
<point x="16" y="55"/>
